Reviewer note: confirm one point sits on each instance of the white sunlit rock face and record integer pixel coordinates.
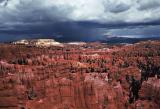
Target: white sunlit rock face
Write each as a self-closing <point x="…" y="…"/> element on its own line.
<point x="77" y="43"/>
<point x="46" y="42"/>
<point x="39" y="42"/>
<point x="24" y="42"/>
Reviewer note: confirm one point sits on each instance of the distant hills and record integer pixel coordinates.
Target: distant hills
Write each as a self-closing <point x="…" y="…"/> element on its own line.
<point x="117" y="40"/>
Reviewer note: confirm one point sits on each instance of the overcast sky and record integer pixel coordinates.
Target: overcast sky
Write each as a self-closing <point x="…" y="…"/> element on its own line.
<point x="78" y="19"/>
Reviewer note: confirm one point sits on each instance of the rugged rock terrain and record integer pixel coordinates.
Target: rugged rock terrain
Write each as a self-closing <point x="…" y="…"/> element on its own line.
<point x="85" y="76"/>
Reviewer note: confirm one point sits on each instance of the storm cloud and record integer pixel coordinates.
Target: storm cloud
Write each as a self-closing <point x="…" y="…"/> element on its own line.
<point x="77" y="19"/>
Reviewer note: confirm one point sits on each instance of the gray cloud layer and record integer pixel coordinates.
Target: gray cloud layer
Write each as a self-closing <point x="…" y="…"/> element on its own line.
<point x="25" y="11"/>
<point x="31" y="17"/>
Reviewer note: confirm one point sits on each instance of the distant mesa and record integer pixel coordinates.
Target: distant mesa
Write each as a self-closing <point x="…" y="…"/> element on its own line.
<point x="45" y="43"/>
<point x="39" y="42"/>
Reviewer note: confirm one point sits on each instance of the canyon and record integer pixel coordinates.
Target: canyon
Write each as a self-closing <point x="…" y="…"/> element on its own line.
<point x="45" y="74"/>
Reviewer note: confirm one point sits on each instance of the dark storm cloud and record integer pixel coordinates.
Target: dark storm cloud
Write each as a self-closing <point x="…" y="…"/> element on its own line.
<point x="148" y="4"/>
<point x="77" y="19"/>
<point x="117" y="8"/>
<point x="60" y="31"/>
<point x="1" y="1"/>
<point x="4" y="1"/>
